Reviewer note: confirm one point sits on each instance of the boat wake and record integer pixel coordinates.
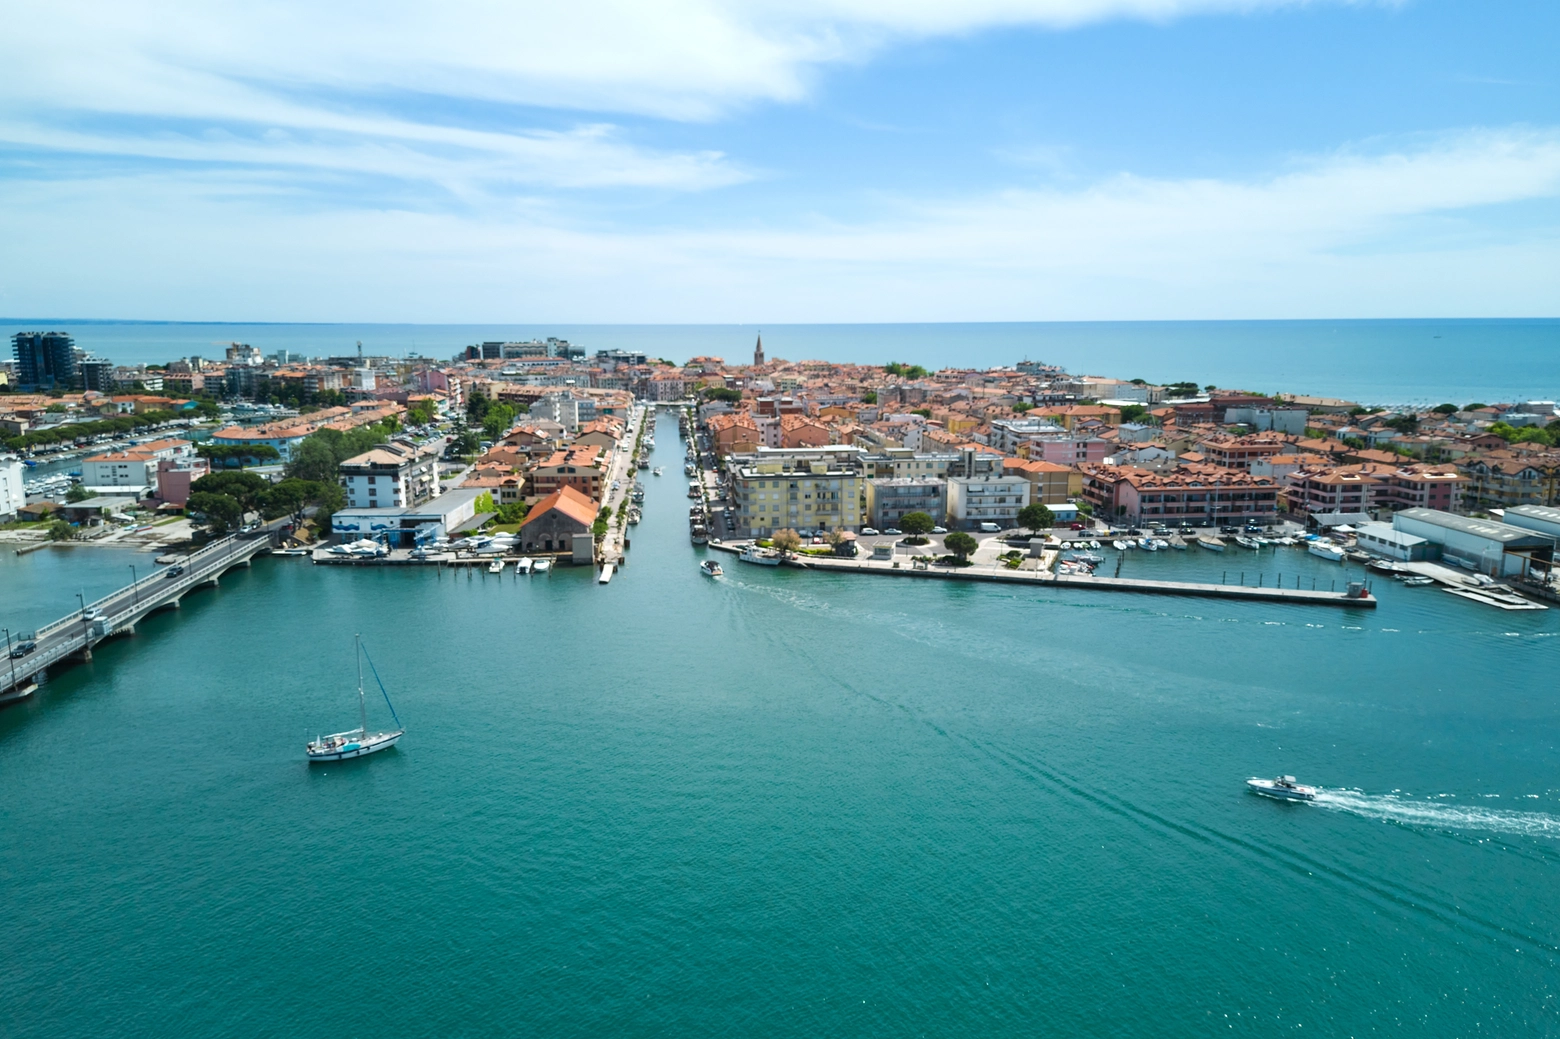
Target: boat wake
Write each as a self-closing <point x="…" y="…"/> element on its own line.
<point x="1390" y="808"/>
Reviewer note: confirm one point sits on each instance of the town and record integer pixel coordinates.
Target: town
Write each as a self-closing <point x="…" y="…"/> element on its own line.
<point x="536" y="451"/>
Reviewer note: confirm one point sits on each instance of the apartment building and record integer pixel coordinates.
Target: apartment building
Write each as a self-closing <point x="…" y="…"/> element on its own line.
<point x="1197" y="493"/>
<point x="390" y="475"/>
<point x="580" y="468"/>
<point x="973" y="500"/>
<point x="889" y="499"/>
<point x="803" y="489"/>
<point x="1360" y="488"/>
<point x="1241" y="452"/>
<point x="1050" y="483"/>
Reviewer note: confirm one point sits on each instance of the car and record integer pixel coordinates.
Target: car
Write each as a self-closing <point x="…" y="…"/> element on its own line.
<point x="1227" y="529"/>
<point x="939" y="530"/>
<point x="1252" y="528"/>
<point x="893" y="531"/>
<point x="1076" y="526"/>
<point x="869" y="531"/>
<point x="1135" y="532"/>
<point x="990" y="528"/>
<point x="92" y="613"/>
<point x="24" y="644"/>
<point x="820" y="540"/>
<point x="173" y="571"/>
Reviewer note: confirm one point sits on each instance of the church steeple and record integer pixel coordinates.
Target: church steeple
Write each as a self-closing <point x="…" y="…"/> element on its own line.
<point x="758" y="351"/>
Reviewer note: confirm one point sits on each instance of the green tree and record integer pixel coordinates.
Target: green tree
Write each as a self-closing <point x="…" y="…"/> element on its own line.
<point x="722" y="393"/>
<point x="244" y="488"/>
<point x="1445" y="409"/>
<point x="960" y="544"/>
<point x="907" y="371"/>
<point x="222" y="512"/>
<point x="1021" y="407"/>
<point x="497" y="420"/>
<point x="1132" y="412"/>
<point x="1035" y="516"/>
<point x="77" y="493"/>
<point x="59" y="530"/>
<point x="786" y="540"/>
<point x="513" y="512"/>
<point x="869" y="398"/>
<point x="1474" y="406"/>
<point x="484" y="502"/>
<point x="239" y="455"/>
<point x="917" y="524"/>
<point x="421" y="413"/>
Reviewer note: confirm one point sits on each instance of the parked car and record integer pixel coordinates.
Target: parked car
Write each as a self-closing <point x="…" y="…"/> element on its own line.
<point x="1252" y="528"/>
<point x="893" y="531"/>
<point x="1076" y="526"/>
<point x="869" y="531"/>
<point x="939" y="530"/>
<point x="990" y="528"/>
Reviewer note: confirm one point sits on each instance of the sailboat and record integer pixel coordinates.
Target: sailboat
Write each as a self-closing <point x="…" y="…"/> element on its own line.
<point x="355" y="743"/>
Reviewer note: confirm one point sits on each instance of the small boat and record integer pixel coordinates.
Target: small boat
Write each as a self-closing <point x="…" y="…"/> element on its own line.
<point x="710" y="568"/>
<point x="523" y="565"/>
<point x="606" y="573"/>
<point x="656" y="471"/>
<point x="1121" y="546"/>
<point x="1212" y="544"/>
<point x="1383" y="566"/>
<point x="355" y="743"/>
<point x="496" y="566"/>
<point x="1282" y="787"/>
<point x="1417" y="581"/>
<point x="1325" y="550"/>
<point x="1245" y="542"/>
<point x="542" y="566"/>
<point x="699" y="535"/>
<point x="1148" y="544"/>
<point x="763" y="557"/>
<point x="1087" y="557"/>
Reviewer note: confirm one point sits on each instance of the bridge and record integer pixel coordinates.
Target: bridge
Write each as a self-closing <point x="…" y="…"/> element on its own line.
<point x="72" y="637"/>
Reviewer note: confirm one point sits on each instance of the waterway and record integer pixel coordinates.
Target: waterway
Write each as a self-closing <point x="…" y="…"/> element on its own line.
<point x="784" y="804"/>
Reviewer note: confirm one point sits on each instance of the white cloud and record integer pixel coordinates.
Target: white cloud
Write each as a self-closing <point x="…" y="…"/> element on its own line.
<point x="1360" y="233"/>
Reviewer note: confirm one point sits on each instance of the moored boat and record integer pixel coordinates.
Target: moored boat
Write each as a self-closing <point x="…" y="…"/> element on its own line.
<point x="1325" y="550"/>
<point x="1282" y="787"/>
<point x="763" y="557"/>
<point x="496" y="566"/>
<point x="1212" y="544"/>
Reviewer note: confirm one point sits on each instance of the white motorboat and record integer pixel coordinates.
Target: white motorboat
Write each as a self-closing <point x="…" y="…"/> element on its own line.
<point x="763" y="557"/>
<point x="1325" y="550"/>
<point x="1121" y="546"/>
<point x="710" y="568"/>
<point x="1282" y="787"/>
<point x="358" y="742"/>
<point x="1148" y="544"/>
<point x="524" y="564"/>
<point x="496" y="566"/>
<point x="541" y="566"/>
<point x="656" y="471"/>
<point x="1245" y="542"/>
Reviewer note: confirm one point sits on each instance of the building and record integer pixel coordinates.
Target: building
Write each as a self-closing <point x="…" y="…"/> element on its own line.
<point x="1372" y="485"/>
<point x="390" y="475"/>
<point x="13" y="493"/>
<point x="135" y="470"/>
<point x="1493" y="548"/>
<point x="1505" y="478"/>
<point x="1542" y="518"/>
<point x="558" y="523"/>
<point x="758" y="352"/>
<point x="569" y="410"/>
<point x="1380" y="539"/>
<point x="1279" y="420"/>
<point x="1007" y="434"/>
<point x="801" y="488"/>
<point x="889" y="499"/>
<point x="579" y="468"/>
<point x="1243" y="452"/>
<point x="973" y="500"/>
<point x="408" y="525"/>
<point x="1051" y="483"/>
<point x="97" y="374"/>
<point x="175" y="477"/>
<point x="1198" y="494"/>
<point x="45" y="360"/>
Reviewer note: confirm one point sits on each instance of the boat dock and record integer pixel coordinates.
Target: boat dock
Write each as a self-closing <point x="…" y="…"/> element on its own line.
<point x="1045" y="578"/>
<point x="73" y="636"/>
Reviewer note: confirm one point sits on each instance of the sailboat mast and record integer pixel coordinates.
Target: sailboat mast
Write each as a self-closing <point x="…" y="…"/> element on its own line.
<point x="362" y="707"/>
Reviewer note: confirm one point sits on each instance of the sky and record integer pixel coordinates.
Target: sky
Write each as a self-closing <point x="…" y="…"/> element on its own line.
<point x="798" y="161"/>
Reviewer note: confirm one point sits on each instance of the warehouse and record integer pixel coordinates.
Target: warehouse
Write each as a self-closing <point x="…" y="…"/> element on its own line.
<point x="1490" y="547"/>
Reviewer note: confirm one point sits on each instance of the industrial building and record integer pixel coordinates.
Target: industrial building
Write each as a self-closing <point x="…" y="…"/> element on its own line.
<point x="1488" y="546"/>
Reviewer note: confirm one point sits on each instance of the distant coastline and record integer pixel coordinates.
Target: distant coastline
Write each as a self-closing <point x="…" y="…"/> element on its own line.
<point x="1410" y="361"/>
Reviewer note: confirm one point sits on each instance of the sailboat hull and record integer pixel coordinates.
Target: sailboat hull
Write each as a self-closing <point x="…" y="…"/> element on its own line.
<point x="356" y="748"/>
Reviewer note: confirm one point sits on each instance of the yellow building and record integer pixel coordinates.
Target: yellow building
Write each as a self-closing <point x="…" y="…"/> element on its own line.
<point x="800" y="488"/>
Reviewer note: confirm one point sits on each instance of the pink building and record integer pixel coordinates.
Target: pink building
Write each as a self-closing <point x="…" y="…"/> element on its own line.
<point x="1069" y="450"/>
<point x="175" y="476"/>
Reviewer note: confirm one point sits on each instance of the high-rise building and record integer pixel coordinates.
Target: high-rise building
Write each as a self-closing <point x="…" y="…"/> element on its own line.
<point x="44" y="360"/>
<point x="97" y="374"/>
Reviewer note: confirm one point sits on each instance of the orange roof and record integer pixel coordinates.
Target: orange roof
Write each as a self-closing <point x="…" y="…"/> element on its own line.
<point x="568" y="501"/>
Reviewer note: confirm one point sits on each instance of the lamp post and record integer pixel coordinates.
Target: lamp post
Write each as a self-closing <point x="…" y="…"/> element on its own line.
<point x="135" y="584"/>
<point x="8" y="655"/>
<point x="86" y="642"/>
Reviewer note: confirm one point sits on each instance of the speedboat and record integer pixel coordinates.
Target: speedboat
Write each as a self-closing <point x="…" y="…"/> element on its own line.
<point x="1121" y="546"/>
<point x="496" y="566"/>
<point x="1325" y="550"/>
<point x="1282" y="787"/>
<point x="541" y="566"/>
<point x="656" y="471"/>
<point x="524" y="564"/>
<point x="1245" y="542"/>
<point x="710" y="568"/>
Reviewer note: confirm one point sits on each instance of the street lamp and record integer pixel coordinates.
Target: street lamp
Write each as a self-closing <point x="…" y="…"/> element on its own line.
<point x="135" y="584"/>
<point x="8" y="655"/>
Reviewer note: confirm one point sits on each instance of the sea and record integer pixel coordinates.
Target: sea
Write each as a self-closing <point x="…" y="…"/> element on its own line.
<point x="1395" y="362"/>
<point x="780" y="803"/>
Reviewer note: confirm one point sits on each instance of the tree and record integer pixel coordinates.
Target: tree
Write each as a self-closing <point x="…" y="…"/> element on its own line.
<point x="722" y="393"/>
<point x="77" y="493"/>
<point x="869" y="398"/>
<point x="1474" y="406"/>
<point x="421" y="413"/>
<point x="917" y="524"/>
<point x="1404" y="423"/>
<point x="786" y="540"/>
<point x="908" y="371"/>
<point x="1036" y="516"/>
<point x="1021" y="407"/>
<point x="1445" y="409"/>
<point x="222" y="513"/>
<point x="239" y="455"/>
<point x="497" y="420"/>
<point x="59" y="530"/>
<point x="1132" y="412"/>
<point x="960" y="544"/>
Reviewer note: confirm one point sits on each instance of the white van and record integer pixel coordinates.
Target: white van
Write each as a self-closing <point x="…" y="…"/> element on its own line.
<point x="990" y="528"/>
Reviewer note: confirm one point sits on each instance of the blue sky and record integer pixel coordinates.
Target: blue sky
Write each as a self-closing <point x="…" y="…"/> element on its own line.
<point x="817" y="160"/>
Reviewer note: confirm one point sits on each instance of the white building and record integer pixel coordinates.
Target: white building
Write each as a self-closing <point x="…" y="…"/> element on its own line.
<point x="12" y="493"/>
<point x="1496" y="549"/>
<point x="401" y="526"/>
<point x="390" y="476"/>
<point x="986" y="499"/>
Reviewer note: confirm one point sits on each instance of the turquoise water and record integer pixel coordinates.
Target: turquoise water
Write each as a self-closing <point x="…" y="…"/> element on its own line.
<point x="1396" y="362"/>
<point x="787" y="804"/>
